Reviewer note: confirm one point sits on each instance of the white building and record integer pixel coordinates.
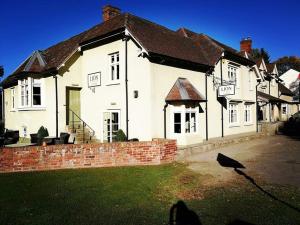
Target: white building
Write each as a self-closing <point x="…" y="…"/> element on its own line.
<point x="131" y="74"/>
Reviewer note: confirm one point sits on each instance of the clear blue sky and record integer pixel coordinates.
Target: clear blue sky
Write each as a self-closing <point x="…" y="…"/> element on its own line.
<point x="37" y="24"/>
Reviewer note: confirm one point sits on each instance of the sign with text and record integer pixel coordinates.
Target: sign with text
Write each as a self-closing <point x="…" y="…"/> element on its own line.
<point x="94" y="79"/>
<point x="225" y="90"/>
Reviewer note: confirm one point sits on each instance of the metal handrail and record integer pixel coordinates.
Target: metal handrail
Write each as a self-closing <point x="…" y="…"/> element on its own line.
<point x="83" y="122"/>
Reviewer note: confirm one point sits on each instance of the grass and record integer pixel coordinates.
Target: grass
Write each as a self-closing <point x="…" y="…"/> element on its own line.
<point x="134" y="195"/>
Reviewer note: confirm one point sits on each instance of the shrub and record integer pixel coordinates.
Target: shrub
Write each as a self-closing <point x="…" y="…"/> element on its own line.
<point x="120" y="136"/>
<point x="42" y="132"/>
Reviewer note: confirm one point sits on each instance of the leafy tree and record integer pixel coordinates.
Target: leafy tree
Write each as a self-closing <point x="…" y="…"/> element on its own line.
<point x="288" y="62"/>
<point x="1" y="71"/>
<point x="261" y="53"/>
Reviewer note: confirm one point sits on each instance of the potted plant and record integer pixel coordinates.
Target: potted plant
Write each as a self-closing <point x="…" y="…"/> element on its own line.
<point x="41" y="134"/>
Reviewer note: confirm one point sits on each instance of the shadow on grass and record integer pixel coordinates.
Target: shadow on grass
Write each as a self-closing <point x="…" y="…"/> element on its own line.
<point x="225" y="161"/>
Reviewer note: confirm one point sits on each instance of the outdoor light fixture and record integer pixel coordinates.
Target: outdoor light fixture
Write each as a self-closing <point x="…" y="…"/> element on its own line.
<point x="135" y="94"/>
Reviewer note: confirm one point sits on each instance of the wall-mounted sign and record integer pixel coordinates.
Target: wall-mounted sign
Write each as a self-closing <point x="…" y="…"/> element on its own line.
<point x="225" y="90"/>
<point x="94" y="79"/>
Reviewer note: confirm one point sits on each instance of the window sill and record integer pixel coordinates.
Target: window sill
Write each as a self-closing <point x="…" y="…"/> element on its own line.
<point x="248" y="124"/>
<point x="32" y="109"/>
<point x="12" y="110"/>
<point x="113" y="84"/>
<point x="234" y="125"/>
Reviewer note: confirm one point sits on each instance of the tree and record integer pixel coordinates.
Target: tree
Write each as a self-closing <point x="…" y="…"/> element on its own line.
<point x="288" y="62"/>
<point x="261" y="53"/>
<point x="1" y="71"/>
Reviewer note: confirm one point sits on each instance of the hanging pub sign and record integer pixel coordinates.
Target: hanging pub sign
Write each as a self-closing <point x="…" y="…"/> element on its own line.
<point x="94" y="79"/>
<point x="225" y="90"/>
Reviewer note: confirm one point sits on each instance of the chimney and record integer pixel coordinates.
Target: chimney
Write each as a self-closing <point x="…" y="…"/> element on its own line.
<point x="246" y="45"/>
<point x="109" y="12"/>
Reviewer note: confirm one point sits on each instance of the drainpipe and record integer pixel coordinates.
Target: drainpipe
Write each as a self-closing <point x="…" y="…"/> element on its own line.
<point x="269" y="102"/>
<point x="126" y="84"/>
<point x="222" y="114"/>
<point x="257" y="106"/>
<point x="56" y="106"/>
<point x="3" y="106"/>
<point x="206" y="108"/>
<point x="165" y="120"/>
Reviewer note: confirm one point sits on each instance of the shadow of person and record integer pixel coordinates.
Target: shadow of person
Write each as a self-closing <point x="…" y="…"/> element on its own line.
<point x="225" y="161"/>
<point x="180" y="214"/>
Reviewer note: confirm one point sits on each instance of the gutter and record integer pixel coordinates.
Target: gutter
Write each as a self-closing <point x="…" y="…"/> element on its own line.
<point x="259" y="81"/>
<point x="126" y="84"/>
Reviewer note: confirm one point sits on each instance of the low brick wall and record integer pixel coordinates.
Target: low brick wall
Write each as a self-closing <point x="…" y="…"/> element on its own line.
<point x="87" y="155"/>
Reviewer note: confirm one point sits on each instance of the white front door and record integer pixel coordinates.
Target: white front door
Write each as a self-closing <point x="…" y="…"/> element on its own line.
<point x="111" y="124"/>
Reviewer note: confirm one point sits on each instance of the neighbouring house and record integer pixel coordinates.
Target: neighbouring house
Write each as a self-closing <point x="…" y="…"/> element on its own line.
<point x="291" y="79"/>
<point x="132" y="74"/>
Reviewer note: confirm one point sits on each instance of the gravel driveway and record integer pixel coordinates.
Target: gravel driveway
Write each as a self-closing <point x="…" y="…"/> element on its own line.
<point x="274" y="159"/>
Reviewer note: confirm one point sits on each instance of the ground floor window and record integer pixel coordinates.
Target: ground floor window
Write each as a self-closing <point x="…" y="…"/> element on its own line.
<point x="233" y="114"/>
<point x="185" y="121"/>
<point x="247" y="113"/>
<point x="284" y="109"/>
<point x="111" y="125"/>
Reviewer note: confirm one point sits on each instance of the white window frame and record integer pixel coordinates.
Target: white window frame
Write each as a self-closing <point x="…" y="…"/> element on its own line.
<point x="192" y="127"/>
<point x="24" y="93"/>
<point x="40" y="84"/>
<point x="13" y="98"/>
<point x="29" y="82"/>
<point x="111" y="124"/>
<point x="248" y="113"/>
<point x="114" y="76"/>
<point x="286" y="109"/>
<point x="232" y="74"/>
<point x="233" y="106"/>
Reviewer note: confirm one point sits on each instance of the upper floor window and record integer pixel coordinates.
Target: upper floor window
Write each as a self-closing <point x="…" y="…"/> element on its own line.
<point x="24" y="92"/>
<point x="233" y="114"/>
<point x="284" y="109"/>
<point x="232" y="74"/>
<point x="13" y="104"/>
<point x="36" y="92"/>
<point x="114" y="66"/>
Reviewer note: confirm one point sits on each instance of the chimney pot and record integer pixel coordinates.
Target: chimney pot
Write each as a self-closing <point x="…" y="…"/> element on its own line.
<point x="246" y="45"/>
<point x="109" y="12"/>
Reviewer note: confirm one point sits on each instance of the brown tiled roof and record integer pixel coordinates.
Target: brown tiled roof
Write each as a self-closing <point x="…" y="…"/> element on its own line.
<point x="270" y="67"/>
<point x="153" y="37"/>
<point x="183" y="90"/>
<point x="284" y="90"/>
<point x="212" y="48"/>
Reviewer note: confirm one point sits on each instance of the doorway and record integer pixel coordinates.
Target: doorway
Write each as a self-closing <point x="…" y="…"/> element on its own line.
<point x="111" y="125"/>
<point x="72" y="104"/>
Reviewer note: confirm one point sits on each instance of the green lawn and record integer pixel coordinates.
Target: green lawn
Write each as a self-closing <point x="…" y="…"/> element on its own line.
<point x="135" y="195"/>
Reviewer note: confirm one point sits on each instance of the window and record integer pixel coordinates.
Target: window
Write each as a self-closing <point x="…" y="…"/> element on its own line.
<point x="24" y="93"/>
<point x="111" y="125"/>
<point x="232" y="74"/>
<point x="177" y="123"/>
<point x="247" y="113"/>
<point x="13" y="104"/>
<point x="284" y="109"/>
<point x="114" y="67"/>
<point x="190" y="121"/>
<point x="36" y="93"/>
<point x="233" y="116"/>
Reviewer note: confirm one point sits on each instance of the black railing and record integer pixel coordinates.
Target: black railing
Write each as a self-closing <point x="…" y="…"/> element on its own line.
<point x="77" y="121"/>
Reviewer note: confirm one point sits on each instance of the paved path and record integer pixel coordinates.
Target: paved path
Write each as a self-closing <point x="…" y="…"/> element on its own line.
<point x="274" y="159"/>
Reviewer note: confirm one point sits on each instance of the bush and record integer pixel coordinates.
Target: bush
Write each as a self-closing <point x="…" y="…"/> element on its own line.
<point x="42" y="132"/>
<point x="120" y="136"/>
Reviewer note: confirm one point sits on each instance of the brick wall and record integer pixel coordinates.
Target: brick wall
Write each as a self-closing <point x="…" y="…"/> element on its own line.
<point x="87" y="155"/>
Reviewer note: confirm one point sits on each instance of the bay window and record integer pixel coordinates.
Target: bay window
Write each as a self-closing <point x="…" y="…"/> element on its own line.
<point x="36" y="92"/>
<point x="185" y="121"/>
<point x="24" y="93"/>
<point x="233" y="114"/>
<point x="30" y="93"/>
